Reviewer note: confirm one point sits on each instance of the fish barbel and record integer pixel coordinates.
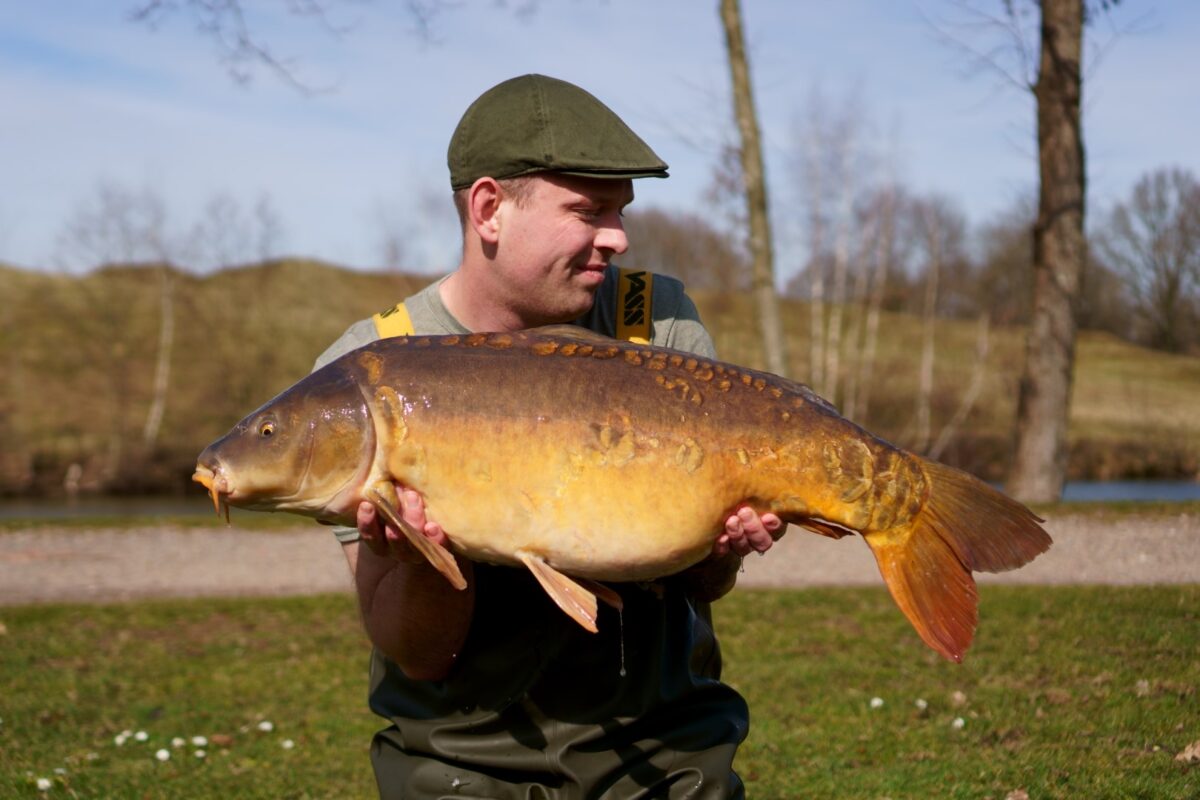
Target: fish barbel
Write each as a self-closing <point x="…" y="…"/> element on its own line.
<point x="585" y="459"/>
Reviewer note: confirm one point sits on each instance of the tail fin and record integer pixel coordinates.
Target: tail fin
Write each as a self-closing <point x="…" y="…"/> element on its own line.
<point x="963" y="526"/>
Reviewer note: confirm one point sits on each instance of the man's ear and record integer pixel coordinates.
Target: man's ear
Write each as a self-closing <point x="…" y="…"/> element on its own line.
<point x="483" y="209"/>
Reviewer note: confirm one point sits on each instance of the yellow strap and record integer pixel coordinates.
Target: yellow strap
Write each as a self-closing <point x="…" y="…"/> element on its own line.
<point x="393" y="322"/>
<point x="634" y="290"/>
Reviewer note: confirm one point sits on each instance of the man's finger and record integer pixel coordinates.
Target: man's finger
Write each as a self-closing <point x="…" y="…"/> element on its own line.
<point x="369" y="530"/>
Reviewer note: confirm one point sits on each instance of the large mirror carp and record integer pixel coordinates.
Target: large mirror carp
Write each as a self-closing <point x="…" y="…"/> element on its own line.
<point x="564" y="452"/>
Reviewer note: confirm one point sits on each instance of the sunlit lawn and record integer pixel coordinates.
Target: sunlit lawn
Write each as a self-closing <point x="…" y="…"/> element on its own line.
<point x="1068" y="693"/>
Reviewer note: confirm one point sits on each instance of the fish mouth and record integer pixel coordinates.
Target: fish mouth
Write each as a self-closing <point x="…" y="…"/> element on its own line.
<point x="218" y="489"/>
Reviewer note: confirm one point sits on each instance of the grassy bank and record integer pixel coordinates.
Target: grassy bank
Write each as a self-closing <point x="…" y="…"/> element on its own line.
<point x="1068" y="692"/>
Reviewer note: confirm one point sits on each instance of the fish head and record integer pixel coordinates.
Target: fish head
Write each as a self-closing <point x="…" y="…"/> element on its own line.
<point x="308" y="451"/>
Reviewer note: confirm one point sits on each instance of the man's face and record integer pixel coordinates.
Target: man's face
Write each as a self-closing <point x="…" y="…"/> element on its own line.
<point x="555" y="244"/>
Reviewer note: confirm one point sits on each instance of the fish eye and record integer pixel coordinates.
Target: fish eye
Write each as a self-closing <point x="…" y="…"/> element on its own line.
<point x="266" y="430"/>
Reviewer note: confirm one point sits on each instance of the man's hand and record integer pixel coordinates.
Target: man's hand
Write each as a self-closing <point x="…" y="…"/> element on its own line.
<point x="411" y="612"/>
<point x="385" y="540"/>
<point x="748" y="532"/>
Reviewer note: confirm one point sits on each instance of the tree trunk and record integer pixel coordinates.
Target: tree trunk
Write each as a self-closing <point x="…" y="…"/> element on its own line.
<point x="816" y="266"/>
<point x="856" y="328"/>
<point x="1039" y="466"/>
<point x="162" y="367"/>
<point x="766" y="299"/>
<point x="924" y="415"/>
<point x="883" y="257"/>
<point x="841" y="264"/>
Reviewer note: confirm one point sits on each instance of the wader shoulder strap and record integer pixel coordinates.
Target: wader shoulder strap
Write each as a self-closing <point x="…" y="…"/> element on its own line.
<point x="634" y="290"/>
<point x="633" y="305"/>
<point x="393" y="322"/>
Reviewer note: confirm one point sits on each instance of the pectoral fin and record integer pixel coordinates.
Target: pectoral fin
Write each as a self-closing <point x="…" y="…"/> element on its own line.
<point x="441" y="558"/>
<point x="576" y="601"/>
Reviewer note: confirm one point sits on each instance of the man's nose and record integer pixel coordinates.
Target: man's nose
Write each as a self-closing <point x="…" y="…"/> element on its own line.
<point x="611" y="236"/>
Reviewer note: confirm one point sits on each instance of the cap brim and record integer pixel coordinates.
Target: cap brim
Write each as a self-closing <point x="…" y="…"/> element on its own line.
<point x="611" y="174"/>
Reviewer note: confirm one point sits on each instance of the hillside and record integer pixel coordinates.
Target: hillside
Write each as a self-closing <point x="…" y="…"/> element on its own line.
<point x="79" y="353"/>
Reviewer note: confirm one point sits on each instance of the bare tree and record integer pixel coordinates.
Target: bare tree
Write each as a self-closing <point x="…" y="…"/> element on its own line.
<point x="1153" y="240"/>
<point x="766" y="298"/>
<point x="931" y="227"/>
<point x="1039" y="464"/>
<point x="125" y="226"/>
<point x="225" y="235"/>
<point x="1038" y="470"/>
<point x="858" y="312"/>
<point x="162" y="364"/>
<point x="814" y="182"/>
<point x="725" y="195"/>
<point x="832" y="170"/>
<point x="941" y="230"/>
<point x="1003" y="283"/>
<point x="245" y="242"/>
<point x="883" y="209"/>
<point x="243" y="49"/>
<point x="268" y="228"/>
<point x="240" y="48"/>
<point x="846" y="155"/>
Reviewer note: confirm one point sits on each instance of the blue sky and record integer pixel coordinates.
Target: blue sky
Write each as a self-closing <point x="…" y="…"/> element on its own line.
<point x="90" y="97"/>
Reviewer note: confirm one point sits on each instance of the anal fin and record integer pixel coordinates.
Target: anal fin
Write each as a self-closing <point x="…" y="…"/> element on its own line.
<point x="602" y="592"/>
<point x="441" y="558"/>
<point x="578" y="603"/>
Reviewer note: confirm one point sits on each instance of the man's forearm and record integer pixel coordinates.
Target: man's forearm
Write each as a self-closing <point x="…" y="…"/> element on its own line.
<point x="410" y="612"/>
<point x="712" y="578"/>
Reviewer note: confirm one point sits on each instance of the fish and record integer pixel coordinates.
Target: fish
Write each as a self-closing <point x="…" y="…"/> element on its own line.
<point x="589" y="460"/>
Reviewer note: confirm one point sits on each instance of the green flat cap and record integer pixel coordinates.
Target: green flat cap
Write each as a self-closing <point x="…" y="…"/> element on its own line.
<point x="538" y="124"/>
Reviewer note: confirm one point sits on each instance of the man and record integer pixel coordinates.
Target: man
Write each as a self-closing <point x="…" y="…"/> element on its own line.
<point x="493" y="691"/>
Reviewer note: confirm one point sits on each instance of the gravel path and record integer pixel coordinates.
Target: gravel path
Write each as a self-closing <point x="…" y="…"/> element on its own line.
<point x="59" y="565"/>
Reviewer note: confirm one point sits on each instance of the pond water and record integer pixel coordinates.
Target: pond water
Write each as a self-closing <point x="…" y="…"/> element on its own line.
<point x="60" y="508"/>
<point x="1162" y="491"/>
<point x="91" y="506"/>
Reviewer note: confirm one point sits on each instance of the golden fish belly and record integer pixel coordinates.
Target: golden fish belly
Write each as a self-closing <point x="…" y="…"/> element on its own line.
<point x="603" y="500"/>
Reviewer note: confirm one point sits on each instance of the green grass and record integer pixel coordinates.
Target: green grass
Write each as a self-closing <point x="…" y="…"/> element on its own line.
<point x="1052" y="703"/>
<point x="1051" y="687"/>
<point x="75" y="677"/>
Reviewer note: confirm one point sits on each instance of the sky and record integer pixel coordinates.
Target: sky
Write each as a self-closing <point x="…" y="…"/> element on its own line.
<point x="92" y="99"/>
